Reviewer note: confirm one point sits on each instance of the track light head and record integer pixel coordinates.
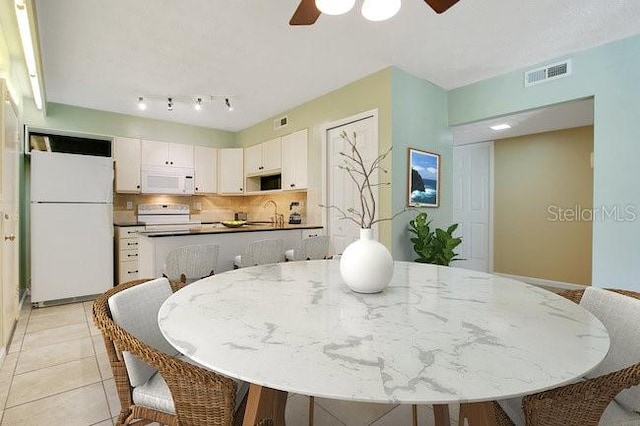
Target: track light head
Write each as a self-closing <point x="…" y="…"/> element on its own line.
<point x="141" y="103"/>
<point x="198" y="105"/>
<point x="228" y="104"/>
<point x="170" y="104"/>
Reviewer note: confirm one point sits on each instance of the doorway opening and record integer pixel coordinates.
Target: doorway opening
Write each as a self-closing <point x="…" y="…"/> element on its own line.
<point x="524" y="196"/>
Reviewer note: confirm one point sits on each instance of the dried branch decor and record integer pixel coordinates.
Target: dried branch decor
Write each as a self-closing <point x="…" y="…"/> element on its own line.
<point x="362" y="174"/>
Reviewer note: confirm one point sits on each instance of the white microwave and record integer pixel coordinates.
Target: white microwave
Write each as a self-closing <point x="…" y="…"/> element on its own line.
<point x="166" y="180"/>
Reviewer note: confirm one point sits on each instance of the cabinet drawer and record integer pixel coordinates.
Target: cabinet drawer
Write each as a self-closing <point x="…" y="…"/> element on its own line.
<point x="128" y="271"/>
<point x="129" y="231"/>
<point x="128" y="255"/>
<point x="128" y="244"/>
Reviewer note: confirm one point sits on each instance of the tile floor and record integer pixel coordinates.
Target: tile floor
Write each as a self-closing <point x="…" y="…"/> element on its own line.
<point x="56" y="372"/>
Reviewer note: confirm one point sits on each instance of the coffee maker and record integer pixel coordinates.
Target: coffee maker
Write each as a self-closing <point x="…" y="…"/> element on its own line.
<point x="294" y="213"/>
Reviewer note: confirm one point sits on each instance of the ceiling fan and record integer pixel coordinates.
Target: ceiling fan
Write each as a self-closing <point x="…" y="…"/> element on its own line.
<point x="307" y="12"/>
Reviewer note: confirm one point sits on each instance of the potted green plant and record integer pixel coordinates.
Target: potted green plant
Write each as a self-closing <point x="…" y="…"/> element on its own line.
<point x="437" y="246"/>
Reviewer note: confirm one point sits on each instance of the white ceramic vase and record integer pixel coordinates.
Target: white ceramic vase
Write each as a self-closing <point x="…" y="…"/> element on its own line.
<point x="366" y="266"/>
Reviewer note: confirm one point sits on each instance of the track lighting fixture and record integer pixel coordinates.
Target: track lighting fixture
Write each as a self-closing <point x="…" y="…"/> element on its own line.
<point x="197" y="102"/>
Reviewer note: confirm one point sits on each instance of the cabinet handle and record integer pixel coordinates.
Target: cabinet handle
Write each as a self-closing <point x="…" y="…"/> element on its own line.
<point x="292" y="185"/>
<point x="137" y="186"/>
<point x="132" y="244"/>
<point x="172" y="162"/>
<point x="166" y="162"/>
<point x="132" y="255"/>
<point x="260" y="168"/>
<point x="240" y="189"/>
<point x="196" y="188"/>
<point x="132" y="272"/>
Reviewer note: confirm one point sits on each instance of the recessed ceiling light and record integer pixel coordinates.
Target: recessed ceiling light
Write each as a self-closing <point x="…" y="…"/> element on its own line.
<point x="500" y="127"/>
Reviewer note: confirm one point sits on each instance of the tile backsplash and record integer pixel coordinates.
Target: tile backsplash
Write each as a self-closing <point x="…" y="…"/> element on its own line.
<point x="214" y="207"/>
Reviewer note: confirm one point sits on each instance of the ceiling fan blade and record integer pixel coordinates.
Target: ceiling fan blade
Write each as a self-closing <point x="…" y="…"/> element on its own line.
<point x="440" y="6"/>
<point x="306" y="14"/>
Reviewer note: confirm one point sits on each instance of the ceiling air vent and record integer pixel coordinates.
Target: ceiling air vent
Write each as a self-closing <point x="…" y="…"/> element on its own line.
<point x="547" y="73"/>
<point x="281" y="122"/>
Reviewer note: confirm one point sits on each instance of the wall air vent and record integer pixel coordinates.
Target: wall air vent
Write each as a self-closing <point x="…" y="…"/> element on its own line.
<point x="547" y="73"/>
<point x="281" y="122"/>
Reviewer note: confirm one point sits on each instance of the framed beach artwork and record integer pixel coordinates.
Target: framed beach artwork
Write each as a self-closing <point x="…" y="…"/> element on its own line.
<point x="424" y="179"/>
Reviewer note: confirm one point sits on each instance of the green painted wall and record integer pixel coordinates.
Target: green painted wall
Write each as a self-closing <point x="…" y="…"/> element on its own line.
<point x="67" y="117"/>
<point x="371" y="92"/>
<point x="610" y="74"/>
<point x="418" y="120"/>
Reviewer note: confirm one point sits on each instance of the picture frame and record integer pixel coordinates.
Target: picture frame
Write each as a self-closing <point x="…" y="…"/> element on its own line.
<point x="423" y="186"/>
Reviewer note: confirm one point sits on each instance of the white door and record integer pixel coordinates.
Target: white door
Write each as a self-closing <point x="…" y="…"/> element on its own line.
<point x="472" y="204"/>
<point x="341" y="191"/>
<point x="9" y="157"/>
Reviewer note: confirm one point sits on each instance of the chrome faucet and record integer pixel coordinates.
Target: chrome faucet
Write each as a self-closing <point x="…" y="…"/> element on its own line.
<point x="278" y="219"/>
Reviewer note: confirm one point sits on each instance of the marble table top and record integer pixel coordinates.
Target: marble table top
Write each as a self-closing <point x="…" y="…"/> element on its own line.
<point x="435" y="335"/>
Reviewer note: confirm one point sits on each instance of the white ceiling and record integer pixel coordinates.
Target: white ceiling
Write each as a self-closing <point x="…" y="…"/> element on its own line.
<point x="555" y="117"/>
<point x="104" y="54"/>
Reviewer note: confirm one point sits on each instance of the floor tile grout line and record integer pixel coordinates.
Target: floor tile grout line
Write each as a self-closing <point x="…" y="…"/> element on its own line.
<point x="54" y="365"/>
<point x="52" y="395"/>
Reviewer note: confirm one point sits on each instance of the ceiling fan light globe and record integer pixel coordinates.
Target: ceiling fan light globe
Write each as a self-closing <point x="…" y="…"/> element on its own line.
<point x="335" y="7"/>
<point x="380" y="10"/>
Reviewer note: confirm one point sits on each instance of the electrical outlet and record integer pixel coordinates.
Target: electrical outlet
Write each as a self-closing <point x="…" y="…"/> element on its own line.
<point x="129" y="205"/>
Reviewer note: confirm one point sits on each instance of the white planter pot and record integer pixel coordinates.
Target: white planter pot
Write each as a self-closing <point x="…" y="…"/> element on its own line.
<point x="366" y="266"/>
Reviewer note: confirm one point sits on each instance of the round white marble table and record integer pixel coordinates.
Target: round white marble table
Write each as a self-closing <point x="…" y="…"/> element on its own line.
<point x="436" y="335"/>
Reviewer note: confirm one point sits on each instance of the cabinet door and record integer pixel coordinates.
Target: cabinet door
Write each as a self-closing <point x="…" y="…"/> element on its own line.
<point x="271" y="154"/>
<point x="294" y="160"/>
<point x="253" y="159"/>
<point x="206" y="168"/>
<point x="180" y="155"/>
<point x="127" y="158"/>
<point x="155" y="153"/>
<point x="230" y="175"/>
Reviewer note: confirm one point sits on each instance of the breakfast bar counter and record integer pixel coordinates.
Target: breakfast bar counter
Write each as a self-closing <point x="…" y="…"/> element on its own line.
<point x="153" y="247"/>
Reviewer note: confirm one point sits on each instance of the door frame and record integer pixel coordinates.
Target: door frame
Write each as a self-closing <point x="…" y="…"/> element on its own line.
<point x="324" y="130"/>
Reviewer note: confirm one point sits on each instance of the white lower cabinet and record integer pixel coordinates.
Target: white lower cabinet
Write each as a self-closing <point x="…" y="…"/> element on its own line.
<point x="127" y="242"/>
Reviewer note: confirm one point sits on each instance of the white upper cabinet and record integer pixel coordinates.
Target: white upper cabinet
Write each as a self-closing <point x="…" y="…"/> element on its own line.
<point x="294" y="160"/>
<point x="167" y="154"/>
<point x="206" y="170"/>
<point x="264" y="158"/>
<point x="127" y="158"/>
<point x="230" y="171"/>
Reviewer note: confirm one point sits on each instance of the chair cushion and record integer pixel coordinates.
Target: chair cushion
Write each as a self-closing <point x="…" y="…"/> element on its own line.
<point x="289" y="254"/>
<point x="136" y="310"/>
<point x="620" y="315"/>
<point x="614" y="414"/>
<point x="154" y="394"/>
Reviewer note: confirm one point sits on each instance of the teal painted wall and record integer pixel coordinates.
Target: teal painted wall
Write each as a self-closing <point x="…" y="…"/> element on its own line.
<point x="418" y="120"/>
<point x="67" y="117"/>
<point x="610" y="74"/>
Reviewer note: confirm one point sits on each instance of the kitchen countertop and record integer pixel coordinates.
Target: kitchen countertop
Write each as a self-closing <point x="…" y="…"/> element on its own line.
<point x="216" y="228"/>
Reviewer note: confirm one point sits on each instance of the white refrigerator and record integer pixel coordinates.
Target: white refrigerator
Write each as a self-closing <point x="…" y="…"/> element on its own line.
<point x="71" y="225"/>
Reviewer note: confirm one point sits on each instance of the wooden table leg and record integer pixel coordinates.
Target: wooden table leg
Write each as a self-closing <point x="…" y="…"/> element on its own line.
<point x="477" y="414"/>
<point x="265" y="402"/>
<point x="441" y="414"/>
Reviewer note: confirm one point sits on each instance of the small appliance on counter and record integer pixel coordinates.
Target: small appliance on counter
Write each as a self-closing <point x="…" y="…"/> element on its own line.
<point x="294" y="213"/>
<point x="240" y="216"/>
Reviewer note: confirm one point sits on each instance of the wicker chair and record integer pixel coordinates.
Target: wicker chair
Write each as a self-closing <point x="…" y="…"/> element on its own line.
<point x="311" y="248"/>
<point x="260" y="252"/>
<point x="583" y="403"/>
<point x="191" y="263"/>
<point x="200" y="397"/>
